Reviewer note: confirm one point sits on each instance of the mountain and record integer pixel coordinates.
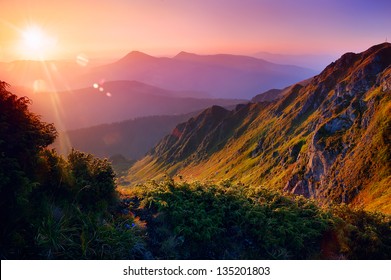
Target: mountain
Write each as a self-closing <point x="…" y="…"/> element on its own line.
<point x="113" y="102"/>
<point x="329" y="139"/>
<point x="220" y="76"/>
<point x="132" y="138"/>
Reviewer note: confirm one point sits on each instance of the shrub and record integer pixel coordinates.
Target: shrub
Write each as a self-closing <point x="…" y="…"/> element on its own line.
<point x="230" y="221"/>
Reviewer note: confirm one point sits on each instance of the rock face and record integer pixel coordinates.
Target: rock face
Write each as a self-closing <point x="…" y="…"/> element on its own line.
<point x="340" y="96"/>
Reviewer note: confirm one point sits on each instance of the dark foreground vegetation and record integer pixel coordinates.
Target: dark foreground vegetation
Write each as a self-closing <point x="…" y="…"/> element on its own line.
<point x="68" y="208"/>
<point x="53" y="207"/>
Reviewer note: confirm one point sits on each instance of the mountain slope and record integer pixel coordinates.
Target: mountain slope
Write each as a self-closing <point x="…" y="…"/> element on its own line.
<point x="220" y="76"/>
<point x="328" y="140"/>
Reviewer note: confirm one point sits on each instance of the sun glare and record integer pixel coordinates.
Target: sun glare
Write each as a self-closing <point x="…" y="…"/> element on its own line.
<point x="36" y="44"/>
<point x="34" y="37"/>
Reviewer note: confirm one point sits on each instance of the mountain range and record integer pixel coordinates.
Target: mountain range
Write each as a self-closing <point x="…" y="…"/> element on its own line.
<point x="213" y="76"/>
<point x="218" y="76"/>
<point x="116" y="101"/>
<point x="328" y="139"/>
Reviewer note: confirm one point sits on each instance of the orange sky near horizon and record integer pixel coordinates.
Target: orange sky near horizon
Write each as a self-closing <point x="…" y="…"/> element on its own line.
<point x="110" y="29"/>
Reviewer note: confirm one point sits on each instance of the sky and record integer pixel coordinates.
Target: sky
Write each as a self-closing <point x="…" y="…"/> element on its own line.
<point x="108" y="29"/>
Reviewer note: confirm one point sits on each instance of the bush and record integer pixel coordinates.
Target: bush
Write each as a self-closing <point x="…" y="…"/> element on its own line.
<point x="230" y="221"/>
<point x="78" y="235"/>
<point x="362" y="235"/>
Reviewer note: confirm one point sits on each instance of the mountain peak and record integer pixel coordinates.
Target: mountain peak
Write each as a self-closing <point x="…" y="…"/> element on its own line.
<point x="363" y="67"/>
<point x="378" y="47"/>
<point x="216" y="111"/>
<point x="184" y="55"/>
<point x="135" y="55"/>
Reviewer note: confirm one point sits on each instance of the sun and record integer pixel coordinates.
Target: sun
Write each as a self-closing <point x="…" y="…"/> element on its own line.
<point x="35" y="43"/>
<point x="34" y="38"/>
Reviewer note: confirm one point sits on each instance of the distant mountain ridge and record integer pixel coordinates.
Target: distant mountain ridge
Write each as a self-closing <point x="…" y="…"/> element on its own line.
<point x="117" y="101"/>
<point x="220" y="76"/>
<point x="328" y="139"/>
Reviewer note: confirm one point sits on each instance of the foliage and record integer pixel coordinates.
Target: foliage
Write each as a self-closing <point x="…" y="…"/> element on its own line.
<point x="230" y="221"/>
<point x="362" y="235"/>
<point x="78" y="235"/>
<point x="74" y="211"/>
<point x="235" y="221"/>
<point x="22" y="137"/>
<point x="92" y="180"/>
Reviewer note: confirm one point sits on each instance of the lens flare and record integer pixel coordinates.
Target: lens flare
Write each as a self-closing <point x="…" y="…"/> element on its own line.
<point x="82" y="60"/>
